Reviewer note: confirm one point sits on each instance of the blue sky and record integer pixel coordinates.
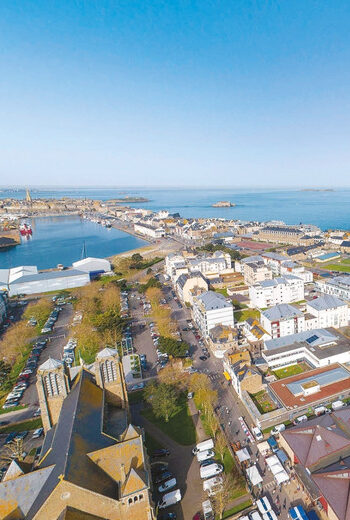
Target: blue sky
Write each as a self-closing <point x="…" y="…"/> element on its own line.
<point x="237" y="92"/>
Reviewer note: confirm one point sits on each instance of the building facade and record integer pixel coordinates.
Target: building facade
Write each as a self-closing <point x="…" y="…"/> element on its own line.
<point x="282" y="320"/>
<point x="285" y="289"/>
<point x="211" y="309"/>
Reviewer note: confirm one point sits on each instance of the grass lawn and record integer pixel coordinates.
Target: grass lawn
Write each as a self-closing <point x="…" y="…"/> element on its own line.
<point x="292" y="370"/>
<point x="31" y="424"/>
<point x="180" y="427"/>
<point x="14" y="409"/>
<point x="237" y="509"/>
<point x="343" y="266"/>
<point x="222" y="291"/>
<point x="263" y="402"/>
<point x="243" y="315"/>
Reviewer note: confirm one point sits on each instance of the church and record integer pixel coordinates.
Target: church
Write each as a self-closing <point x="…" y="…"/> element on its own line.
<point x="93" y="463"/>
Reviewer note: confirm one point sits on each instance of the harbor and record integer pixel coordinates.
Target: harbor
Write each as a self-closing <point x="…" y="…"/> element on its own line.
<point x="60" y="240"/>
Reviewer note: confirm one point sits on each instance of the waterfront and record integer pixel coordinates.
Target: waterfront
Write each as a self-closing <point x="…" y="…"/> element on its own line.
<point x="326" y="209"/>
<point x="60" y="240"/>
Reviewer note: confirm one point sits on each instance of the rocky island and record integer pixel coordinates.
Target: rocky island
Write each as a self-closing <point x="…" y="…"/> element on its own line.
<point x="223" y="204"/>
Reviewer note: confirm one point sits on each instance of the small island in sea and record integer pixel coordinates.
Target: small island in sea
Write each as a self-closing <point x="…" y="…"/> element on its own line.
<point x="223" y="204"/>
<point x="317" y="189"/>
<point x="130" y="199"/>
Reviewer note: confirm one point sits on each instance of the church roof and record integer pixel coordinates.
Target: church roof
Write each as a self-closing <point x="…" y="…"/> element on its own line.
<point x="50" y="364"/>
<point x="107" y="352"/>
<point x="133" y="483"/>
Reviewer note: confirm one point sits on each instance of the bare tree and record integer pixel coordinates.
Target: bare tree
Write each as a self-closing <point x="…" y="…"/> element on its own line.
<point x="212" y="422"/>
<point x="221" y="445"/>
<point x="223" y="495"/>
<point x="13" y="450"/>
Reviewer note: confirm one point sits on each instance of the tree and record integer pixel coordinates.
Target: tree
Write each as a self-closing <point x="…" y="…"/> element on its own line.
<point x="110" y="298"/>
<point x="198" y="382"/>
<point x="173" y="375"/>
<point x="14" y="450"/>
<point x="163" y="399"/>
<point x="223" y="495"/>
<point x="212" y="423"/>
<point x="172" y="347"/>
<point x="220" y="445"/>
<point x="136" y="257"/>
<point x="207" y="397"/>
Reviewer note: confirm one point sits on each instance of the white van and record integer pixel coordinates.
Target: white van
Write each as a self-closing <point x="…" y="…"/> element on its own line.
<point x="207" y="510"/>
<point x="278" y="428"/>
<point x="202" y="446"/>
<point x="257" y="433"/>
<point x="263" y="505"/>
<point x="337" y="405"/>
<point x="211" y="470"/>
<point x="169" y="499"/>
<point x="270" y="515"/>
<point x="254" y="515"/>
<point x="204" y="455"/>
<point x="301" y="419"/>
<point x="168" y="484"/>
<point x="212" y="485"/>
<point x="320" y="410"/>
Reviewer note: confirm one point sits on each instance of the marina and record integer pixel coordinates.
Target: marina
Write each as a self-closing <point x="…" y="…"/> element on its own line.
<point x="60" y="240"/>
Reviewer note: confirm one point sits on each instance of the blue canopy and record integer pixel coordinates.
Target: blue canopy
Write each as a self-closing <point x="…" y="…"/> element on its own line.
<point x="298" y="513"/>
<point x="282" y="456"/>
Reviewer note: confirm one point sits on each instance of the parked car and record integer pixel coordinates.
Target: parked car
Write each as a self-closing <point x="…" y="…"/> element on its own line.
<point x="10" y="437"/>
<point x="163" y="452"/>
<point x="167" y="485"/>
<point x="37" y="433"/>
<point x="21" y="435"/>
<point x="165" y="475"/>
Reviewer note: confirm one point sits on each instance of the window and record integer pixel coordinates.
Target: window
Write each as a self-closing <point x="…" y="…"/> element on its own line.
<point x="140" y="497"/>
<point x="52" y="384"/>
<point x="109" y="371"/>
<point x="130" y="501"/>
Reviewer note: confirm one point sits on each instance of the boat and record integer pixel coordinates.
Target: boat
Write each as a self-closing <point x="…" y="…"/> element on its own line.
<point x="25" y="229"/>
<point x="223" y="204"/>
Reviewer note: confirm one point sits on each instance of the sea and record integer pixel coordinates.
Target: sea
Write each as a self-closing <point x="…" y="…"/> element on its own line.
<point x="59" y="240"/>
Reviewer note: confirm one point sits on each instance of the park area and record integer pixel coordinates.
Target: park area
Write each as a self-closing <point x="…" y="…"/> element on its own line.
<point x="343" y="265"/>
<point x="291" y="370"/>
<point x="263" y="402"/>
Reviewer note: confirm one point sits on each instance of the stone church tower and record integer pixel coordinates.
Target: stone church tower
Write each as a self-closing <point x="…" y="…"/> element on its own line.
<point x="53" y="385"/>
<point x="110" y="376"/>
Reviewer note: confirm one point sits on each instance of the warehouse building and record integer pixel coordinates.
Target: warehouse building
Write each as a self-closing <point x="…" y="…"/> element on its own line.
<point x="48" y="281"/>
<point x="93" y="266"/>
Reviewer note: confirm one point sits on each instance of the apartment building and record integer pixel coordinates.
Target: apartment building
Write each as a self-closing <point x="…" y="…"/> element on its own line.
<point x="274" y="261"/>
<point x="255" y="270"/>
<point x="149" y="231"/>
<point x="338" y="286"/>
<point x="290" y="267"/>
<point x="329" y="311"/>
<point x="211" y="309"/>
<point x="285" y="289"/>
<point x="282" y="320"/>
<point x="189" y="285"/>
<point x="211" y="265"/>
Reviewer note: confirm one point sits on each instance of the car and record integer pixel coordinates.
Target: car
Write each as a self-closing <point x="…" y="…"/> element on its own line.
<point x="37" y="412"/>
<point x="167" y="485"/>
<point x="3" y="423"/>
<point x="166" y="475"/>
<point x="10" y="437"/>
<point x="21" y="435"/>
<point x="207" y="462"/>
<point x="37" y="433"/>
<point x="10" y="404"/>
<point x="162" y="452"/>
<point x="203" y="358"/>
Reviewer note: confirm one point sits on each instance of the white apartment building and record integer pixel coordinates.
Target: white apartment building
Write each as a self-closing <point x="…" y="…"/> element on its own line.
<point x="285" y="289"/>
<point x="149" y="231"/>
<point x="329" y="311"/>
<point x="282" y="320"/>
<point x="211" y="265"/>
<point x="290" y="267"/>
<point x="274" y="261"/>
<point x="338" y="286"/>
<point x="319" y="347"/>
<point x="175" y="266"/>
<point x="255" y="272"/>
<point x="211" y="309"/>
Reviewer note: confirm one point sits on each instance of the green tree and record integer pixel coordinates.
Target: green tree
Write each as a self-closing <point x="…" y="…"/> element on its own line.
<point x="172" y="347"/>
<point x="163" y="398"/>
<point x="136" y="257"/>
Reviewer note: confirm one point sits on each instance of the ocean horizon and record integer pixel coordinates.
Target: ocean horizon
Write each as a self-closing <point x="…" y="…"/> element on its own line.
<point x="326" y="209"/>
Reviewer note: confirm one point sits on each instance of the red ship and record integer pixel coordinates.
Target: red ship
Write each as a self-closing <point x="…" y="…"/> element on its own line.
<point x="25" y="230"/>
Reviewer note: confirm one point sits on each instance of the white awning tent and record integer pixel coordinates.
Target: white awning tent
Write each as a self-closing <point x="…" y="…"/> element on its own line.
<point x="254" y="475"/>
<point x="277" y="469"/>
<point x="264" y="447"/>
<point x="243" y="455"/>
<point x="282" y="477"/>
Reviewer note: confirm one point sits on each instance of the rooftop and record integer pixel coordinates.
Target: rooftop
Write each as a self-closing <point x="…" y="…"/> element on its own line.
<point x="325" y="302"/>
<point x="282" y="311"/>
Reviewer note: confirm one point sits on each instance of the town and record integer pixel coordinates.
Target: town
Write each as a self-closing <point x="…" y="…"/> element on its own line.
<point x="205" y="376"/>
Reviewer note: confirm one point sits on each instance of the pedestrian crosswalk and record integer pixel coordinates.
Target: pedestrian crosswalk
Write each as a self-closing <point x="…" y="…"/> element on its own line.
<point x="214" y="377"/>
<point x="269" y="485"/>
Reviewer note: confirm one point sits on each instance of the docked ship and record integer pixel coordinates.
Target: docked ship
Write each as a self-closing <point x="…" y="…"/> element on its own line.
<point x="25" y="229"/>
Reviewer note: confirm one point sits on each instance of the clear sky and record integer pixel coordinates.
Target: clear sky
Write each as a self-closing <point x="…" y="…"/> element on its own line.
<point x="175" y="92"/>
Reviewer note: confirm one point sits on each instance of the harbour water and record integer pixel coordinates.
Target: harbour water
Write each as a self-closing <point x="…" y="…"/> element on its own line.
<point x="60" y="240"/>
<point x="326" y="209"/>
